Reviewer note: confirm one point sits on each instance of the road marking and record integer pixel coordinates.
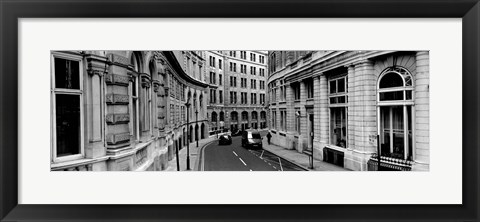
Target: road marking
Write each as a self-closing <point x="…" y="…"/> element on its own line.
<point x="234" y="153"/>
<point x="280" y="161"/>
<point x="262" y="154"/>
<point x="242" y="161"/>
<point x="274" y="167"/>
<point x="251" y="170"/>
<point x="269" y="164"/>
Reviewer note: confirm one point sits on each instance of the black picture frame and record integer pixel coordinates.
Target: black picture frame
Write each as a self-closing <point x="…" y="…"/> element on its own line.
<point x="11" y="11"/>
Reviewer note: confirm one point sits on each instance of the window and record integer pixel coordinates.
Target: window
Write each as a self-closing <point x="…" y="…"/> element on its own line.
<point x="263" y="98"/>
<point x="234" y="81"/>
<point x="309" y="88"/>
<point x="212" y="61"/>
<point x="243" y="55"/>
<point x="220" y="96"/>
<point x="274" y="119"/>
<point x="243" y="82"/>
<point x="338" y="111"/>
<point x="262" y="72"/>
<point x="220" y="64"/>
<point x="338" y="90"/>
<point x="338" y="126"/>
<point x="395" y="101"/>
<point x="272" y="63"/>
<point x="253" y="70"/>
<point x="252" y="57"/>
<point x="212" y="78"/>
<point x="134" y="125"/>
<point x="283" y="119"/>
<point x="261" y="59"/>
<point x="296" y="91"/>
<point x="233" y="67"/>
<point x="67" y="100"/>
<point x="219" y="79"/>
<point x="243" y="68"/>
<point x="213" y="96"/>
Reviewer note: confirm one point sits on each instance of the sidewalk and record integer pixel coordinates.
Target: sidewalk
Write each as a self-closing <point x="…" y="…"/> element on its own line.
<point x="172" y="164"/>
<point x="300" y="159"/>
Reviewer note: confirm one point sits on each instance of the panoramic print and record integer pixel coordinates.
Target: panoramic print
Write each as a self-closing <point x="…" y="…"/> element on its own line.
<point x="240" y="110"/>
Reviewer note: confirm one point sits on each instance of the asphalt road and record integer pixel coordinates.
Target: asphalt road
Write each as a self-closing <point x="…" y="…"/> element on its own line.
<point x="236" y="158"/>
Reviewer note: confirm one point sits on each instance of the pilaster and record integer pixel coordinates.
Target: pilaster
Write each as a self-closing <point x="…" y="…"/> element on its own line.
<point x="422" y="112"/>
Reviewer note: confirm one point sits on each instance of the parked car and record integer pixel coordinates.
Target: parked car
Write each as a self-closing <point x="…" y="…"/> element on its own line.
<point x="225" y="140"/>
<point x="252" y="139"/>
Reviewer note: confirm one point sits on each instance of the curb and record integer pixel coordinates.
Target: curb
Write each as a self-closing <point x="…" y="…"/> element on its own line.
<point x="200" y="154"/>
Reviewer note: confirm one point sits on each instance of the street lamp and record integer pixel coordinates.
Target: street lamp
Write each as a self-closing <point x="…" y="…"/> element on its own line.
<point x="188" y="135"/>
<point x="196" y="125"/>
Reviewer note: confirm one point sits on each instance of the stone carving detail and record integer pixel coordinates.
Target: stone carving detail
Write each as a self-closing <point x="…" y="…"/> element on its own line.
<point x="95" y="72"/>
<point x="117" y="99"/>
<point x="120" y="59"/>
<point x="114" y="79"/>
<point x="156" y="85"/>
<point x="145" y="82"/>
<point x="141" y="157"/>
<point x="113" y="139"/>
<point x="118" y="118"/>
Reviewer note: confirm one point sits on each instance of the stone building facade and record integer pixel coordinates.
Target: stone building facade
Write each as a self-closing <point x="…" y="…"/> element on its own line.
<point x="336" y="103"/>
<point x="125" y="110"/>
<point x="238" y="97"/>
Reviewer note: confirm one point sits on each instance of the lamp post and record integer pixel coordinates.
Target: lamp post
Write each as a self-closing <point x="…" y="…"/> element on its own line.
<point x="188" y="135"/>
<point x="196" y="121"/>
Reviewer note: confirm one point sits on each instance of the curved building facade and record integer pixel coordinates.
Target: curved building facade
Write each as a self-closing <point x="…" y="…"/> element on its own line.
<point x="125" y="110"/>
<point x="344" y="106"/>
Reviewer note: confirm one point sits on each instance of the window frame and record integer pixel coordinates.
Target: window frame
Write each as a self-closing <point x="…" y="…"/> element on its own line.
<point x="344" y="105"/>
<point x="53" y="92"/>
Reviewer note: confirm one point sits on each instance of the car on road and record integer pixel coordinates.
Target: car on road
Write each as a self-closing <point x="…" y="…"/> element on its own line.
<point x="225" y="140"/>
<point x="252" y="139"/>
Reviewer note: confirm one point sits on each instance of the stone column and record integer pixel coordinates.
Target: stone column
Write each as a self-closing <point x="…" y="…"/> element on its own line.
<point x="303" y="119"/>
<point x="316" y="108"/>
<point x="93" y="92"/>
<point x="364" y="103"/>
<point x="324" y="113"/>
<point x="290" y="109"/>
<point x="351" y="107"/>
<point x="421" y="112"/>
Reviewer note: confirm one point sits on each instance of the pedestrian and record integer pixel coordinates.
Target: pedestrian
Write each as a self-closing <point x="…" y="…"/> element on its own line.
<point x="269" y="136"/>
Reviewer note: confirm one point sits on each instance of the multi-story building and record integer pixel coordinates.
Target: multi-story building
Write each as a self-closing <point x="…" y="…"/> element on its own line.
<point x="125" y="110"/>
<point x="239" y="97"/>
<point x="337" y="103"/>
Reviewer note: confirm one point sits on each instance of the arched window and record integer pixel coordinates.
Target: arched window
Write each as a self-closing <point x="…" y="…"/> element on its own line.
<point x="395" y="100"/>
<point x="395" y="83"/>
<point x="214" y="117"/>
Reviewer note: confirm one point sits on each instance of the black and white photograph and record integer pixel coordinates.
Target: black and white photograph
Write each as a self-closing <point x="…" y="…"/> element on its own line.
<point x="240" y="110"/>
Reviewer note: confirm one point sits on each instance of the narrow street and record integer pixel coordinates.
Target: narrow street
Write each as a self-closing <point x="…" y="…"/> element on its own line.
<point x="234" y="157"/>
